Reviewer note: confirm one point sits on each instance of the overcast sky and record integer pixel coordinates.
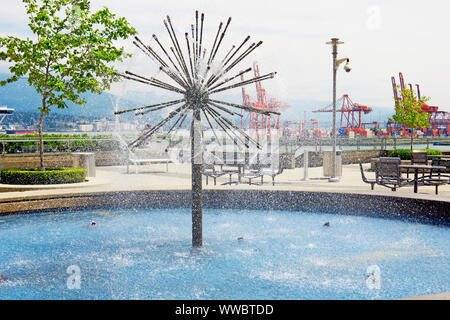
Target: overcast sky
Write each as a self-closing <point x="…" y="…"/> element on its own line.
<point x="381" y="38"/>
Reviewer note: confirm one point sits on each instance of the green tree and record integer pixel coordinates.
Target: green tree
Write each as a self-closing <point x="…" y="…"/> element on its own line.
<point x="408" y="111"/>
<point x="70" y="54"/>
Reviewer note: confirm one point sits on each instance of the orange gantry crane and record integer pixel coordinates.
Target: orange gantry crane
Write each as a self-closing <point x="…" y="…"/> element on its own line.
<point x="261" y="125"/>
<point x="351" y="112"/>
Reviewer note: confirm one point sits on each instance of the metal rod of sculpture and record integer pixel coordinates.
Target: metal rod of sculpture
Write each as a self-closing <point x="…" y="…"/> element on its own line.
<point x="196" y="83"/>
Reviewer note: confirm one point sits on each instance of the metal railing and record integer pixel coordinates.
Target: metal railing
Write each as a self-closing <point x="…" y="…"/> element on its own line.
<point x="287" y="144"/>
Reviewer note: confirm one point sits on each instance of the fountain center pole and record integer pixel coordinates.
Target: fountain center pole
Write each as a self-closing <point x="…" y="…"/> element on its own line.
<point x="197" y="169"/>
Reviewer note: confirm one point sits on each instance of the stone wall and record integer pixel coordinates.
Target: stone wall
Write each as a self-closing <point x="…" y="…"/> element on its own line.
<point x="348" y="157"/>
<point x="287" y="161"/>
<point x="29" y="160"/>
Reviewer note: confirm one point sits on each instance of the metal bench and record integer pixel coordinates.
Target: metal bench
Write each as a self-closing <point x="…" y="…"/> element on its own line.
<point x="372" y="182"/>
<point x="142" y="156"/>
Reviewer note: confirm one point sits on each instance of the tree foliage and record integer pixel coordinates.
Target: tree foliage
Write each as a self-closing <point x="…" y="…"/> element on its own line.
<point x="409" y="111"/>
<point x="71" y="53"/>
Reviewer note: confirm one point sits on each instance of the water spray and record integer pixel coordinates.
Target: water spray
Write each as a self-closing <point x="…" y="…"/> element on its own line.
<point x="196" y="94"/>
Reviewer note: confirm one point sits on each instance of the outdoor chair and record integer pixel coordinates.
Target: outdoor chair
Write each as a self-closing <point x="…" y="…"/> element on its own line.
<point x="418" y="157"/>
<point x="229" y="165"/>
<point x="372" y="182"/>
<point x="437" y="177"/>
<point x="433" y="181"/>
<point x="252" y="171"/>
<point x="270" y="171"/>
<point x="259" y="169"/>
<point x="209" y="170"/>
<point x="388" y="173"/>
<point x="445" y="173"/>
<point x="210" y="160"/>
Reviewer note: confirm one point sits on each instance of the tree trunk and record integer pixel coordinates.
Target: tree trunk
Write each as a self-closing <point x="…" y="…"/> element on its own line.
<point x="412" y="137"/>
<point x="41" y="139"/>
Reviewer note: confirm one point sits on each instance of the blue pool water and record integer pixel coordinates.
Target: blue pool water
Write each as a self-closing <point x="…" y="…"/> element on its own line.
<point x="147" y="254"/>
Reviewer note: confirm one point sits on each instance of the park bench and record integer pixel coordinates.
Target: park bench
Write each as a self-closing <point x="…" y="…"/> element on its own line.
<point x="139" y="157"/>
<point x="372" y="182"/>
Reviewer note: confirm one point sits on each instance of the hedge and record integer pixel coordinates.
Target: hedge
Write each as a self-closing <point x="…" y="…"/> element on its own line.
<point x="59" y="143"/>
<point x="49" y="176"/>
<point x="405" y="154"/>
<point x="69" y="142"/>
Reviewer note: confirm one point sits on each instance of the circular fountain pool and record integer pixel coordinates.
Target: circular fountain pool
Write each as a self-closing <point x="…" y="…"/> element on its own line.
<point x="147" y="254"/>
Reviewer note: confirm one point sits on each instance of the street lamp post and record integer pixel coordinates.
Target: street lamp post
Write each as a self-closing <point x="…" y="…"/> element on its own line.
<point x="334" y="42"/>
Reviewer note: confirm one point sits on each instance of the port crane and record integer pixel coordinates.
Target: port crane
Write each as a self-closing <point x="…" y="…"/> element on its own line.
<point x="351" y="113"/>
<point x="261" y="125"/>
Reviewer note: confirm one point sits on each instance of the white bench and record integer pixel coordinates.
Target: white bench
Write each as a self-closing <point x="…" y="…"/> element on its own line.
<point x="139" y="157"/>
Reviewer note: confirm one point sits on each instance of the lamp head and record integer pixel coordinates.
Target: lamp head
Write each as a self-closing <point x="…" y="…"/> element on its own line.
<point x="347" y="67"/>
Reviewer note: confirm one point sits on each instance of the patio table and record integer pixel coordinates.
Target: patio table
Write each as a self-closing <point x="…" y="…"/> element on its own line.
<point x="240" y="169"/>
<point x="416" y="168"/>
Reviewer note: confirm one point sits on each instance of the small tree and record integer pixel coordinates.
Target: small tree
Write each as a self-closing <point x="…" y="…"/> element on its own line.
<point x="70" y="54"/>
<point x="408" y="111"/>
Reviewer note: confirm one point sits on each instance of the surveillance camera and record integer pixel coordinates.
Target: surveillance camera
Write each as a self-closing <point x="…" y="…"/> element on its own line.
<point x="347" y="67"/>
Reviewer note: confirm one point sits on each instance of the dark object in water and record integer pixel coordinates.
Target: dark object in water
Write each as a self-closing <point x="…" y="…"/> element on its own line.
<point x="441" y="144"/>
<point x="2" y="277"/>
<point x="326" y="224"/>
<point x="240" y="238"/>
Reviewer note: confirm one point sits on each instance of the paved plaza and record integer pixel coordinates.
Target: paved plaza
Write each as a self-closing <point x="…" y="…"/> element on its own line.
<point x="178" y="177"/>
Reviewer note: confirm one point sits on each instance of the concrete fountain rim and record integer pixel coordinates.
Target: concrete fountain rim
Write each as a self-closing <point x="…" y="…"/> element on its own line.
<point x="353" y="203"/>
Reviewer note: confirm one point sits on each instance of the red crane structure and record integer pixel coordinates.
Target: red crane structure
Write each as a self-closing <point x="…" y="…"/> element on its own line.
<point x="438" y="118"/>
<point x="301" y="128"/>
<point x="261" y="125"/>
<point x="351" y="112"/>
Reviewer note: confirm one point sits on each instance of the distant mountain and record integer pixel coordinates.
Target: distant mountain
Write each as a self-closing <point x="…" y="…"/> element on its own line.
<point x="52" y="122"/>
<point x="23" y="98"/>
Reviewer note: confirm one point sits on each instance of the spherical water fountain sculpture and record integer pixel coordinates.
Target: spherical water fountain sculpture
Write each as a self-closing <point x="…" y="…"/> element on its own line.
<point x="196" y="84"/>
<point x="282" y="250"/>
